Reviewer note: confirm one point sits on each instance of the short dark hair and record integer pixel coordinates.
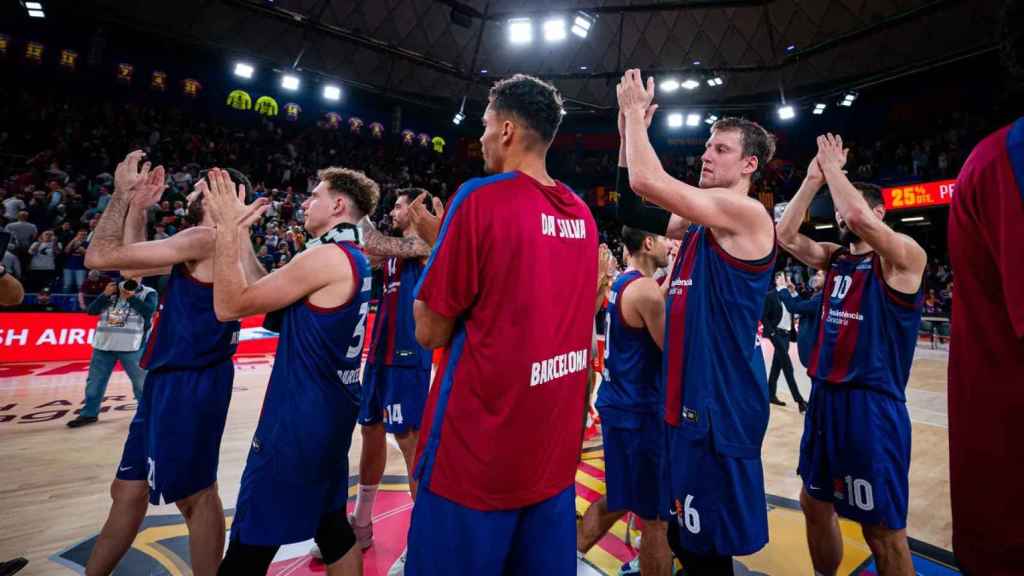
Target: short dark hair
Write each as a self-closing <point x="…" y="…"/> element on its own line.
<point x="363" y="191"/>
<point x="535" y="102"/>
<point x="633" y="238"/>
<point x="871" y="192"/>
<point x="755" y="139"/>
<point x="409" y="194"/>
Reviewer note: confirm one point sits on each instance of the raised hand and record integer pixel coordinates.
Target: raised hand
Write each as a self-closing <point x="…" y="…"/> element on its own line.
<point x="427" y="225"/>
<point x="632" y="94"/>
<point x="147" y="192"/>
<point x="831" y="152"/>
<point x="128" y="174"/>
<point x="226" y="202"/>
<point x="604" y="260"/>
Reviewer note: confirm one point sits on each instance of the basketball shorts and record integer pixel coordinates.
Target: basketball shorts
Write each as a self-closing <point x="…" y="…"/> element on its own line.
<point x="634" y="459"/>
<point x="855" y="453"/>
<point x="174" y="439"/>
<point x="717" y="499"/>
<point x="448" y="538"/>
<point x="285" y="492"/>
<point x="394" y="395"/>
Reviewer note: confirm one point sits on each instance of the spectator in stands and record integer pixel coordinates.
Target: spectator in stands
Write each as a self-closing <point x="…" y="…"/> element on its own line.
<point x="125" y="312"/>
<point x="94" y="285"/>
<point x="12" y="205"/>
<point x="23" y="231"/>
<point x="11" y="263"/>
<point x="43" y="266"/>
<point x="42" y="303"/>
<point x="74" y="262"/>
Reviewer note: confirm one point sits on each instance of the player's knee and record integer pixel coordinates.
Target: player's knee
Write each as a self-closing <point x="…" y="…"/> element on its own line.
<point x="883" y="538"/>
<point x="334" y="536"/>
<point x="372" y="430"/>
<point x="136" y="491"/>
<point x="205" y="497"/>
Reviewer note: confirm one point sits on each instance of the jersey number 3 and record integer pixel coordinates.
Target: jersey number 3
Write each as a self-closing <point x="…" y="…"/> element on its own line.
<point x="360" y="332"/>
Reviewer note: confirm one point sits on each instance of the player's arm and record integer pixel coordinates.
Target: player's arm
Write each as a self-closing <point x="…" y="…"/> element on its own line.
<point x="814" y="254"/>
<point x="432" y="329"/>
<point x="646" y="299"/>
<point x="898" y="251"/>
<point x="380" y="247"/>
<point x="715" y="207"/>
<point x="135" y="230"/>
<point x="251" y="265"/>
<point x="797" y="305"/>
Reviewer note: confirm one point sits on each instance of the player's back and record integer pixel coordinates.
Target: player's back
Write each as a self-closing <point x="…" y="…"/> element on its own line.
<point x="632" y="364"/>
<point x="394" y="329"/>
<point x="868" y="331"/>
<point x="506" y="410"/>
<point x="714" y="373"/>
<point x="315" y="380"/>
<point x="186" y="333"/>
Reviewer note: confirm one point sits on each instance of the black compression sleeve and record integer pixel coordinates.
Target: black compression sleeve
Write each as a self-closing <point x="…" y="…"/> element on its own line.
<point x="632" y="210"/>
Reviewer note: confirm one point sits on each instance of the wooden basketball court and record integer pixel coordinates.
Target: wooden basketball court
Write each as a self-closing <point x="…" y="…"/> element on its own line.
<point x="54" y="481"/>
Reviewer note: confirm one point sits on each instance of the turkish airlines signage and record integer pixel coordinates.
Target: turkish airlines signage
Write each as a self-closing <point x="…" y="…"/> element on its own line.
<point x="926" y="195"/>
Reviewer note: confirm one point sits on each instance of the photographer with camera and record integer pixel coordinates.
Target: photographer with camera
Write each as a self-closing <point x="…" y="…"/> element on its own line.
<point x="125" y="311"/>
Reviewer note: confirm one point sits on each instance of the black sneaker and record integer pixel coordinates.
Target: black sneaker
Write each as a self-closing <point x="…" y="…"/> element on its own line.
<point x="12" y="566"/>
<point x="82" y="421"/>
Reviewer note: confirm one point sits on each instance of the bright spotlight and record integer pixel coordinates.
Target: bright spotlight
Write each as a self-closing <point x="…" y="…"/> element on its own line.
<point x="848" y="99"/>
<point x="520" y="31"/>
<point x="716" y="81"/>
<point x="332" y="93"/>
<point x="581" y="24"/>
<point x="37" y="14"/>
<point x="711" y="119"/>
<point x="786" y="112"/>
<point x="823" y="227"/>
<point x="554" y="30"/>
<point x="690" y="84"/>
<point x="289" y="82"/>
<point x="819" y="109"/>
<point x="693" y="119"/>
<point x="459" y="117"/>
<point x="675" y="120"/>
<point x="33" y="6"/>
<point x="243" y="70"/>
<point x="670" y="85"/>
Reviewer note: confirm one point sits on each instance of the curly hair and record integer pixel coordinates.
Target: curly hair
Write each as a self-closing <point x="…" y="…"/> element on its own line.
<point x="535" y="102"/>
<point x="756" y="140"/>
<point x="363" y="191"/>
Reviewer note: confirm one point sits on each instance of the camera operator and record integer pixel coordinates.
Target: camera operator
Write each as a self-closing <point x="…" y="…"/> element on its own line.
<point x="125" y="311"/>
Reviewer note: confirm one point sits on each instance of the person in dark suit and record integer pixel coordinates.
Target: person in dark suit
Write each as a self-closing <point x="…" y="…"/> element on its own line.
<point x="808" y="309"/>
<point x="778" y="322"/>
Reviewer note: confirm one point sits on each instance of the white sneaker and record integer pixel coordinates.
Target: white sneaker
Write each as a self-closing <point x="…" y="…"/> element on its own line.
<point x="364" y="534"/>
<point x="398" y="568"/>
<point x="315" y="552"/>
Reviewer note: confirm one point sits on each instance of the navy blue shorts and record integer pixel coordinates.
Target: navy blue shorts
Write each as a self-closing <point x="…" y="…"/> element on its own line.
<point x="395" y="395"/>
<point x="446" y="538"/>
<point x="634" y="458"/>
<point x="174" y="439"/>
<point x="285" y="492"/>
<point x="855" y="453"/>
<point x="718" y="499"/>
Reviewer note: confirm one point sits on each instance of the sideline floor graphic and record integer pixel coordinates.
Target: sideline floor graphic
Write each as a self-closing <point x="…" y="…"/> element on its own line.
<point x="162" y="545"/>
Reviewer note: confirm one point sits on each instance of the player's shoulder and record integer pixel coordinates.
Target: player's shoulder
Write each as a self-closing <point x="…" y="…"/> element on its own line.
<point x="989" y="152"/>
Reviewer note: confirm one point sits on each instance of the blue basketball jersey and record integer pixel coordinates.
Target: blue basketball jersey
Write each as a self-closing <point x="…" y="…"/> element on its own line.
<point x="632" y="364"/>
<point x="868" y="331"/>
<point x="394" y="331"/>
<point x="714" y="374"/>
<point x="315" y="379"/>
<point x="186" y="332"/>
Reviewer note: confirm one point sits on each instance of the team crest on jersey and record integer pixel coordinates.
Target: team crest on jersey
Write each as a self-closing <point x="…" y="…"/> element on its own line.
<point x="690" y="415"/>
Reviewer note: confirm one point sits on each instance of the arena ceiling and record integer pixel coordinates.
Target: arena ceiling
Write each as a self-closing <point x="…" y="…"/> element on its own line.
<point x="415" y="49"/>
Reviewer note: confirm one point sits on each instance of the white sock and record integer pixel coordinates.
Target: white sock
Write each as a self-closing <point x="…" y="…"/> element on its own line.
<point x="364" y="504"/>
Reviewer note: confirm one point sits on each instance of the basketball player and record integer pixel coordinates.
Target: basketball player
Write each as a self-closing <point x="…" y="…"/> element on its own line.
<point x="496" y="462"/>
<point x="630" y="404"/>
<point x="293" y="486"/>
<point x="855" y="451"/>
<point x="173" y="442"/>
<point x="397" y="373"/>
<point x="716" y="391"/>
<point x="986" y="356"/>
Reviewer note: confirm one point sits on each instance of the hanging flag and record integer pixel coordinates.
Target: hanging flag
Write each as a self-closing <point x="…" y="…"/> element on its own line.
<point x="5" y="44"/>
<point x="377" y="130"/>
<point x="408" y="137"/>
<point x="34" y="52"/>
<point x="292" y="111"/>
<point x="124" y="73"/>
<point x="333" y="120"/>
<point x="266" y="106"/>
<point x="191" y="87"/>
<point x="438" y="144"/>
<point x="239" y="100"/>
<point x="68" y="59"/>
<point x="158" y="81"/>
<point x="355" y="125"/>
<point x="424" y="139"/>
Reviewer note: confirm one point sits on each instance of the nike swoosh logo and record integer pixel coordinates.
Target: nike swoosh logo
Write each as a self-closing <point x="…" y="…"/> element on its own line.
<point x="125" y="468"/>
<point x="813" y="487"/>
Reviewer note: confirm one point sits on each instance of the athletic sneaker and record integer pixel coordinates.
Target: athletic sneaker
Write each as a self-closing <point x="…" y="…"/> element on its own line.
<point x="398" y="568"/>
<point x="364" y="534"/>
<point x="82" y="421"/>
<point x="12" y="566"/>
<point x="631" y="568"/>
